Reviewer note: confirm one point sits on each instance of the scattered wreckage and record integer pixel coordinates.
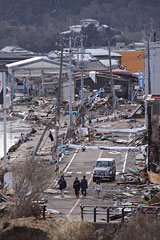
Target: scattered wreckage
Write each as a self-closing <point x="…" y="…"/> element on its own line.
<point x="136" y="188"/>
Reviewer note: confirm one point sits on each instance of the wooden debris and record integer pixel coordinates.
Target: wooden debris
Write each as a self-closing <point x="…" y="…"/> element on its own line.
<point x="115" y="217"/>
<point x="128" y="182"/>
<point x="154" y="177"/>
<point x="155" y="199"/>
<point x="142" y="186"/>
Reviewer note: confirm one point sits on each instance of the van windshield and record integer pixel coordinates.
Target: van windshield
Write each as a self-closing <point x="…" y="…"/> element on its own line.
<point x="103" y="164"/>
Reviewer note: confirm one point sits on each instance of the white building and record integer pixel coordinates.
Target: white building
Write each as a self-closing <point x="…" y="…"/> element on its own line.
<point x="152" y="79"/>
<point x="86" y="22"/>
<point x="76" y="28"/>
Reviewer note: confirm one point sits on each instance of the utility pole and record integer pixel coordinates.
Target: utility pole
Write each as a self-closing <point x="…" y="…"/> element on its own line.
<point x="42" y="84"/>
<point x="60" y="82"/>
<point x="42" y="136"/>
<point x="4" y="121"/>
<point x="70" y="86"/>
<point x="148" y="106"/>
<point x="82" y="82"/>
<point x="148" y="63"/>
<point x="58" y="101"/>
<point x="112" y="83"/>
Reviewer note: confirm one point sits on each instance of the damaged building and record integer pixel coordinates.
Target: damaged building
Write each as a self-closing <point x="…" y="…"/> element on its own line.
<point x="125" y="82"/>
<point x="152" y="66"/>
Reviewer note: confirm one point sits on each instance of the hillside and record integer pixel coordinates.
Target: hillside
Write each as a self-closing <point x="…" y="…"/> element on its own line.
<point x="36" y="24"/>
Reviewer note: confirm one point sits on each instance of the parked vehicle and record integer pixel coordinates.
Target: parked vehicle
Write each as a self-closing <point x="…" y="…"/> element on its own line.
<point x="105" y="169"/>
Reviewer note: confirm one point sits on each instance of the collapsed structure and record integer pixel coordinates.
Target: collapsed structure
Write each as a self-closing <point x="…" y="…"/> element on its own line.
<point x="42" y="74"/>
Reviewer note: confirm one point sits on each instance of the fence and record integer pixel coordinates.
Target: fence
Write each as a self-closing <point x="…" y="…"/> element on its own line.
<point x="116" y="212"/>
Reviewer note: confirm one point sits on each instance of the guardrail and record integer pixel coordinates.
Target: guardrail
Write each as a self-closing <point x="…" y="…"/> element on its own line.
<point x="116" y="212"/>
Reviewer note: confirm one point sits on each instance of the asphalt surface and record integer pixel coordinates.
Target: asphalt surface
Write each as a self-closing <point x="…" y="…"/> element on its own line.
<point x="76" y="164"/>
<point x="79" y="163"/>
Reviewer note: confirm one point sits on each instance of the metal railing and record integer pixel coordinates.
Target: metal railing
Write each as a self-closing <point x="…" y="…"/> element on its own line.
<point x="116" y="212"/>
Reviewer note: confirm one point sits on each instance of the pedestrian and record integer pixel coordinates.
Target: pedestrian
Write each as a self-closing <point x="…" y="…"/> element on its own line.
<point x="76" y="186"/>
<point x="51" y="136"/>
<point x="33" y="131"/>
<point x="65" y="124"/>
<point x="98" y="188"/>
<point x="83" y="148"/>
<point x="84" y="186"/>
<point x="62" y="185"/>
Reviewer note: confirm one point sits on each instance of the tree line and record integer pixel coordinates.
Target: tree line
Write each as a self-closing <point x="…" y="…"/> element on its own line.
<point x="36" y="24"/>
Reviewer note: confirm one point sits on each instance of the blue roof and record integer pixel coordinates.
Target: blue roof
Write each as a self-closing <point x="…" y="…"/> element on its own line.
<point x="88" y="20"/>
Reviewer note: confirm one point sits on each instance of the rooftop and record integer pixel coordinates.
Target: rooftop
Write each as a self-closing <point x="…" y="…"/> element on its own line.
<point x="101" y="52"/>
<point x="16" y="50"/>
<point x="88" y="20"/>
<point x="105" y="159"/>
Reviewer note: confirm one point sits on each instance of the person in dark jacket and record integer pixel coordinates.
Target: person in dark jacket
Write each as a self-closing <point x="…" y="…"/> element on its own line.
<point x="76" y="186"/>
<point x="51" y="136"/>
<point x="84" y="186"/>
<point x="62" y="185"/>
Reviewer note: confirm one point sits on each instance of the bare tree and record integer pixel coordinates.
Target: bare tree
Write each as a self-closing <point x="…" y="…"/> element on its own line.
<point x="30" y="179"/>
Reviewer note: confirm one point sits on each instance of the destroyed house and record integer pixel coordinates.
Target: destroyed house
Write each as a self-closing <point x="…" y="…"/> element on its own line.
<point x="124" y="82"/>
<point x="38" y="76"/>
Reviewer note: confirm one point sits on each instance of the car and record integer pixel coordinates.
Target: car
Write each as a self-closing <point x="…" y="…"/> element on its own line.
<point x="105" y="169"/>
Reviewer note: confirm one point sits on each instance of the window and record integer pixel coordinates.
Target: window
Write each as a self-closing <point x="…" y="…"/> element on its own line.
<point x="104" y="164"/>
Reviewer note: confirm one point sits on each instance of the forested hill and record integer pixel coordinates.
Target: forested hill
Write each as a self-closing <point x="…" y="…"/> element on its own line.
<point x="35" y="24"/>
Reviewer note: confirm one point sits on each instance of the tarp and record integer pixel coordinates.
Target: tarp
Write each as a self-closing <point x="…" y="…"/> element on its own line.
<point x="98" y="92"/>
<point x="92" y="75"/>
<point x="133" y="130"/>
<point x="139" y="148"/>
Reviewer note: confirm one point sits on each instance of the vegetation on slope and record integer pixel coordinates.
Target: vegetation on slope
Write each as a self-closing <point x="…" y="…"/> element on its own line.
<point x="36" y="24"/>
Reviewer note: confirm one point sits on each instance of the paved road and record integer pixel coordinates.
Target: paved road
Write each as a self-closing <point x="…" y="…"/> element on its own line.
<point x="80" y="163"/>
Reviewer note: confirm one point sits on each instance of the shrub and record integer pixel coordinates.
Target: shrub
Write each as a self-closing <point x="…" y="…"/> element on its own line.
<point x="141" y="227"/>
<point x="30" y="180"/>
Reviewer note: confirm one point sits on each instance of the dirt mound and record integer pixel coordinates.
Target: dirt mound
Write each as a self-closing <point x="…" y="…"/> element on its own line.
<point x="25" y="233"/>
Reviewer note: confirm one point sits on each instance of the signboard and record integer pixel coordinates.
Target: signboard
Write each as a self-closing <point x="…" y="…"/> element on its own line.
<point x="141" y="79"/>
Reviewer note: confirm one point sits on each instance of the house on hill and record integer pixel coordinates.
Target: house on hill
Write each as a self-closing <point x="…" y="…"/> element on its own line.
<point x="87" y="21"/>
<point x="83" y="24"/>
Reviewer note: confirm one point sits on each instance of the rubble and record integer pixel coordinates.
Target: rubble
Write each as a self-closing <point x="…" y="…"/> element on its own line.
<point x="134" y="183"/>
<point x="155" y="201"/>
<point x="154" y="177"/>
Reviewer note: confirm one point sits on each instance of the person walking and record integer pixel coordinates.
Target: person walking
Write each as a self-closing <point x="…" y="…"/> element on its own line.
<point x="84" y="186"/>
<point x="98" y="188"/>
<point x="62" y="185"/>
<point x="76" y="186"/>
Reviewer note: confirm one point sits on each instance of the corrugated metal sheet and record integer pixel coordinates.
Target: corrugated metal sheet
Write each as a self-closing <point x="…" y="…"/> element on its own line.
<point x="101" y="52"/>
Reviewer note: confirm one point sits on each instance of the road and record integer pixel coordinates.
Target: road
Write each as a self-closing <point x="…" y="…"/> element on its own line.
<point x="80" y="163"/>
